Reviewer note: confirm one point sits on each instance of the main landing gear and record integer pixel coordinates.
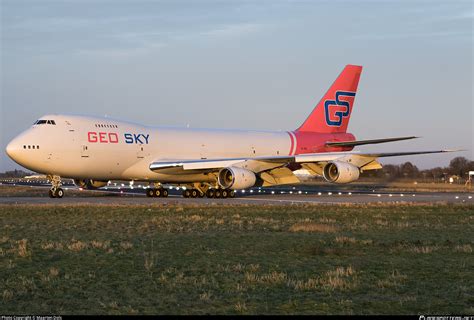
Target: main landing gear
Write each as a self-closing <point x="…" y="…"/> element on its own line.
<point x="210" y="193"/>
<point x="56" y="191"/>
<point x="157" y="192"/>
<point x="193" y="193"/>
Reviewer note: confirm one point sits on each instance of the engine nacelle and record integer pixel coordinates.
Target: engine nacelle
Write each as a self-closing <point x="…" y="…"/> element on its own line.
<point x="90" y="184"/>
<point x="340" y="172"/>
<point x="236" y="178"/>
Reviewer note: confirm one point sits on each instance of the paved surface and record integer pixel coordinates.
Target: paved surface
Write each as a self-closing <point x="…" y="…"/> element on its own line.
<point x="134" y="199"/>
<point x="122" y="194"/>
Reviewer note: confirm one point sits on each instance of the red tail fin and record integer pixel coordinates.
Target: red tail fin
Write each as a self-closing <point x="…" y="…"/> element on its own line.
<point x="332" y="113"/>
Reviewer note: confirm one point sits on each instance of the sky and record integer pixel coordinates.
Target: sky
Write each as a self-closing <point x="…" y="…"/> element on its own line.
<point x="243" y="64"/>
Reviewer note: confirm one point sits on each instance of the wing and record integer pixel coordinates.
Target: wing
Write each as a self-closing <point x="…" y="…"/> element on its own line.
<point x="278" y="169"/>
<point x="362" y="142"/>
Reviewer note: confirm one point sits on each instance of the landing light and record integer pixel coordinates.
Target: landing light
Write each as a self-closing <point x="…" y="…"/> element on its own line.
<point x="319" y="193"/>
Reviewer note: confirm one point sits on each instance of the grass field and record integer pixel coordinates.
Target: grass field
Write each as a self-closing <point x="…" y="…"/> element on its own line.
<point x="376" y="259"/>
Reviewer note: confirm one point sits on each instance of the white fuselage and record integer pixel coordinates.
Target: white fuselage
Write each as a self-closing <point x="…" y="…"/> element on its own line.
<point x="104" y="149"/>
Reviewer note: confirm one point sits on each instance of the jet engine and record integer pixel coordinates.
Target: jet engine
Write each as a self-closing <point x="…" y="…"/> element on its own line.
<point x="90" y="184"/>
<point x="236" y="178"/>
<point x="340" y="172"/>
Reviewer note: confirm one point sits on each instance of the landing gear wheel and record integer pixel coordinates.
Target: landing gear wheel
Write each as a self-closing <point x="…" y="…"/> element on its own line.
<point x="232" y="194"/>
<point x="225" y="193"/>
<point x="194" y="193"/>
<point x="186" y="193"/>
<point x="158" y="193"/>
<point x="164" y="193"/>
<point x="51" y="194"/>
<point x="201" y="194"/>
<point x="218" y="193"/>
<point x="150" y="192"/>
<point x="59" y="193"/>
<point x="210" y="193"/>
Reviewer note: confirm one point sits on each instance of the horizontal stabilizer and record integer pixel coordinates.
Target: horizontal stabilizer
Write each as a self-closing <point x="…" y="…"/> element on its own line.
<point x="362" y="142"/>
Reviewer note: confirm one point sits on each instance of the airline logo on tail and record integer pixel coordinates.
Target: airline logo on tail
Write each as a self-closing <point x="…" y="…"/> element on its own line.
<point x="333" y="111"/>
<point x="336" y="110"/>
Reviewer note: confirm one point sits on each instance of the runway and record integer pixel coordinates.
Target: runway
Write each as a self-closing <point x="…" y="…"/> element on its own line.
<point x="276" y="199"/>
<point x="127" y="195"/>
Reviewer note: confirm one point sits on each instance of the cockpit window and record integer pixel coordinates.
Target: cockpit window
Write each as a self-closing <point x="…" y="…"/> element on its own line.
<point x="45" y="122"/>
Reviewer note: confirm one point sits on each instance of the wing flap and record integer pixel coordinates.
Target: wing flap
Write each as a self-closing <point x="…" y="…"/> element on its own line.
<point x="363" y="142"/>
<point x="278" y="176"/>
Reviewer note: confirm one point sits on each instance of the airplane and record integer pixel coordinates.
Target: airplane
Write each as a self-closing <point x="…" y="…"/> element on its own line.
<point x="205" y="162"/>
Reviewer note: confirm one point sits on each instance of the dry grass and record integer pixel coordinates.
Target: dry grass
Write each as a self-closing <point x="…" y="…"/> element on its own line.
<point x="240" y="307"/>
<point x="54" y="272"/>
<point x="424" y="249"/>
<point x="340" y="278"/>
<point x="206" y="296"/>
<point x="126" y="245"/>
<point x="466" y="248"/>
<point x="312" y="227"/>
<point x="7" y="295"/>
<point x="23" y="250"/>
<point x="77" y="245"/>
<point x="395" y="279"/>
<point x="344" y="240"/>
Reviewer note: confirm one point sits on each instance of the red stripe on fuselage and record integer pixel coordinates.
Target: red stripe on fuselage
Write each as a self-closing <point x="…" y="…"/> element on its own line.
<point x="292" y="145"/>
<point x="315" y="142"/>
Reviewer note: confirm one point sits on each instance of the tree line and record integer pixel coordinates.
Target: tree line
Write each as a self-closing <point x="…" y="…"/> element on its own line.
<point x="458" y="167"/>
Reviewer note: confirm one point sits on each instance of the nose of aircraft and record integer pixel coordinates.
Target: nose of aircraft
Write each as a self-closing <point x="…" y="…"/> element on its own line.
<point x="12" y="149"/>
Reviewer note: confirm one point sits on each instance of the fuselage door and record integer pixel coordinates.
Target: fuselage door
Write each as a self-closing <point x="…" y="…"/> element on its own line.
<point x="84" y="151"/>
<point x="141" y="151"/>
